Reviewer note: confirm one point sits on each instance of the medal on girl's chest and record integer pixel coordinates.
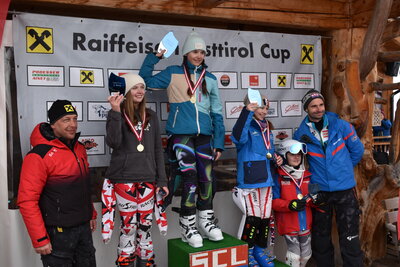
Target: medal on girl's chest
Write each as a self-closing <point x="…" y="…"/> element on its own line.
<point x="265" y="137"/>
<point x="298" y="184"/>
<point x="193" y="88"/>
<point x="139" y="136"/>
<point x="140" y="147"/>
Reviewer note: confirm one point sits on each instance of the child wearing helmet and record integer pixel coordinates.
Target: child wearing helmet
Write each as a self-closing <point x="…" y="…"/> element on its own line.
<point x="256" y="166"/>
<point x="290" y="203"/>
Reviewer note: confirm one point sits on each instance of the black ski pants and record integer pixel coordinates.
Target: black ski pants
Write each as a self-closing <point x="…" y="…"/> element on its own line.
<point x="345" y="205"/>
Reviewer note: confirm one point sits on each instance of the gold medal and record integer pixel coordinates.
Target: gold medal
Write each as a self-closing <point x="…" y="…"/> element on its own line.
<point x="140" y="147"/>
<point x="193" y="98"/>
<point x="269" y="155"/>
<point x="300" y="196"/>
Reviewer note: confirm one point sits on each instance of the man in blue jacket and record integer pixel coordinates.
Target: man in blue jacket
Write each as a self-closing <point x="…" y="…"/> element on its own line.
<point x="333" y="150"/>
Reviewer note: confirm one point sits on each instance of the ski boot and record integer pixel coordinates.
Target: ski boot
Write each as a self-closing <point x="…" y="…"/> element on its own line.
<point x="126" y="261"/>
<point x="189" y="231"/>
<point x="208" y="226"/>
<point x="264" y="257"/>
<point x="146" y="262"/>
<point x="252" y="261"/>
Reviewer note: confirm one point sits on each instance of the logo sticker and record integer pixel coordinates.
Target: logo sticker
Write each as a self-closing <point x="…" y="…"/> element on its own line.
<point x="303" y="80"/>
<point x="87" y="77"/>
<point x="307" y="54"/>
<point x="281" y="80"/>
<point x="69" y="108"/>
<point x="39" y="40"/>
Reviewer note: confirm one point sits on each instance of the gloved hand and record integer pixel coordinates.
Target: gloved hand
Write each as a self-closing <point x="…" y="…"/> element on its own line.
<point x="297" y="204"/>
<point x="319" y="198"/>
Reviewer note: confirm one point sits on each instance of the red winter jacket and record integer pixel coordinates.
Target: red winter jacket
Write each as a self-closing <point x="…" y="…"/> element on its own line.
<point x="285" y="190"/>
<point x="54" y="187"/>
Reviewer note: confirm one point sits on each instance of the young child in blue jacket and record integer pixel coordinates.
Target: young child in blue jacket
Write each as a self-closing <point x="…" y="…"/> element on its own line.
<point x="256" y="166"/>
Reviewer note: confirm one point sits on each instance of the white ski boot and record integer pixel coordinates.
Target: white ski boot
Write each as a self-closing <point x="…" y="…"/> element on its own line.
<point x="208" y="226"/>
<point x="189" y="231"/>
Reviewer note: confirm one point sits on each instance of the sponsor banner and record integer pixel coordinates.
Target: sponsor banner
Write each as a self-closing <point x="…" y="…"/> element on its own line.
<point x="226" y="80"/>
<point x="152" y="106"/>
<point x="164" y="107"/>
<point x="254" y="80"/>
<point x="273" y="109"/>
<point x="83" y="77"/>
<point x="98" y="111"/>
<point x="233" y="109"/>
<point x="291" y="108"/>
<point x="235" y="256"/>
<point x="281" y="135"/>
<point x="282" y="66"/>
<point x="303" y="81"/>
<point x="281" y="80"/>
<point x="45" y="76"/>
<point x="94" y="144"/>
<point x="120" y="72"/>
<point x="78" y="105"/>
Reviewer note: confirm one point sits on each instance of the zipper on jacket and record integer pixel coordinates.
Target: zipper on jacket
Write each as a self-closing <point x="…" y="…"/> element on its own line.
<point x="79" y="163"/>
<point x="176" y="115"/>
<point x="195" y="104"/>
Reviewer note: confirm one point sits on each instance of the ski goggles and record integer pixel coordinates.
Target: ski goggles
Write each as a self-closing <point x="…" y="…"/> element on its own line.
<point x="297" y="147"/>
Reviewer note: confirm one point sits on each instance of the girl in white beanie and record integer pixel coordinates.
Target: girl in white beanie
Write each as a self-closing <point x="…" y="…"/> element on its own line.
<point x="136" y="172"/>
<point x="196" y="129"/>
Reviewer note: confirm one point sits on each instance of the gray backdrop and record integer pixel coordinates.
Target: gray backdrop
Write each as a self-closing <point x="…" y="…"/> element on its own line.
<point x="71" y="58"/>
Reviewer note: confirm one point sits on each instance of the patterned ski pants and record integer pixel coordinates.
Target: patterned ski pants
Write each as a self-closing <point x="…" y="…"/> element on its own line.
<point x="135" y="203"/>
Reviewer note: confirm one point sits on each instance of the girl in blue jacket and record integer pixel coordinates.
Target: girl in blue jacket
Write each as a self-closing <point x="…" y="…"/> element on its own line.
<point x="196" y="133"/>
<point x="256" y="166"/>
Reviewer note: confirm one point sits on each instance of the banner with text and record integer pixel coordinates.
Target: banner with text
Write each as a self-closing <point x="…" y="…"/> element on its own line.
<point x="71" y="58"/>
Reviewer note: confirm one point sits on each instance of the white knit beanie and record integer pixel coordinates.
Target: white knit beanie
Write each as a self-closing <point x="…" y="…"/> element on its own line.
<point x="131" y="80"/>
<point x="193" y="42"/>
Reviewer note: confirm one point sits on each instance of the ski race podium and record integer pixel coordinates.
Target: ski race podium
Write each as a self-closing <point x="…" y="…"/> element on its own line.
<point x="229" y="252"/>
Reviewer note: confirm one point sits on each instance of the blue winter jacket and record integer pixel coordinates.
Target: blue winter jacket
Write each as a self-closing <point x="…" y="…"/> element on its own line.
<point x="332" y="168"/>
<point x="203" y="117"/>
<point x="254" y="169"/>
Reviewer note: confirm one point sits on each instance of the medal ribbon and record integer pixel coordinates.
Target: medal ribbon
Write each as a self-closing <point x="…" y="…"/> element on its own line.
<point x="267" y="142"/>
<point x="139" y="136"/>
<point x="193" y="89"/>
<point x="293" y="179"/>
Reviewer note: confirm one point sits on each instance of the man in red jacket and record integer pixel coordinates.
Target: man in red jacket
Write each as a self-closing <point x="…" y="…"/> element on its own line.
<point x="54" y="192"/>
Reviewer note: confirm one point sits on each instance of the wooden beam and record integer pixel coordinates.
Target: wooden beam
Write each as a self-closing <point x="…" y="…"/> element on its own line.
<point x="383" y="87"/>
<point x="369" y="52"/>
<point x="208" y="3"/>
<point x="392" y="30"/>
<point x="390" y="56"/>
<point x="285" y="14"/>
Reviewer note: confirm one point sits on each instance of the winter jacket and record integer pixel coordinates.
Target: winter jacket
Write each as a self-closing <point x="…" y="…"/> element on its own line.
<point x="203" y="117"/>
<point x="332" y="162"/>
<point x="254" y="169"/>
<point x="54" y="187"/>
<point x="384" y="129"/>
<point x="127" y="164"/>
<point x="285" y="190"/>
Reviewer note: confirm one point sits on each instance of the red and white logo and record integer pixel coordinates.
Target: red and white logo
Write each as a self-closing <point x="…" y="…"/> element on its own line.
<point x="227" y="257"/>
